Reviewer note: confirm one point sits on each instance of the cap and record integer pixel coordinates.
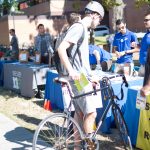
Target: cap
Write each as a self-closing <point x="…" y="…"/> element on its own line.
<point x="95" y="7"/>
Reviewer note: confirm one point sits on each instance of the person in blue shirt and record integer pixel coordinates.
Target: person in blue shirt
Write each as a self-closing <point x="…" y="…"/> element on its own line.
<point x="124" y="45"/>
<point x="145" y="45"/>
<point x="101" y="57"/>
<point x="145" y="90"/>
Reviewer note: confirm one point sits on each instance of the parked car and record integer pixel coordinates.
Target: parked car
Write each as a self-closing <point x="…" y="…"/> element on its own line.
<point x="101" y="30"/>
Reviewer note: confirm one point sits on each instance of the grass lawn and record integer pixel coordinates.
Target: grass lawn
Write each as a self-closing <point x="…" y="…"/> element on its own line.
<point x="101" y="40"/>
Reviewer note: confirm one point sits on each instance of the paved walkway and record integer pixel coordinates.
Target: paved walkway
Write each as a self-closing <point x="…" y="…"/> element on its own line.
<point x="13" y="136"/>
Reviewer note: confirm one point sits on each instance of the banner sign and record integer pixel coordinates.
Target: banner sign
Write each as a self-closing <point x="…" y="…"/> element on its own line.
<point x="143" y="138"/>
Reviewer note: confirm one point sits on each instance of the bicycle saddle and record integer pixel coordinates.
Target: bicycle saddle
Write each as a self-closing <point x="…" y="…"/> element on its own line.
<point x="60" y="80"/>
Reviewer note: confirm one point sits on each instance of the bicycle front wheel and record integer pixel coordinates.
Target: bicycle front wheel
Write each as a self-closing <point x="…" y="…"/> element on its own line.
<point x="57" y="132"/>
<point x="122" y="127"/>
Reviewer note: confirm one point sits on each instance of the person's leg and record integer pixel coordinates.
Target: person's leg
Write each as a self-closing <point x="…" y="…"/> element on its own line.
<point x="77" y="136"/>
<point x="141" y="72"/>
<point x="118" y="68"/>
<point x="97" y="56"/>
<point x="106" y="65"/>
<point x="89" y="122"/>
<point x="131" y="69"/>
<point x="109" y="64"/>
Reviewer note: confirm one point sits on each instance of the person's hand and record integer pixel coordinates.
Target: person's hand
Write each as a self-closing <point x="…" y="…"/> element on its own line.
<point x="117" y="54"/>
<point x="122" y="53"/>
<point x="95" y="79"/>
<point x="145" y="90"/>
<point x="74" y="75"/>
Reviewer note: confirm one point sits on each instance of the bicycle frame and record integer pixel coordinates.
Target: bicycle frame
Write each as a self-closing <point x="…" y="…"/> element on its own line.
<point x="111" y="96"/>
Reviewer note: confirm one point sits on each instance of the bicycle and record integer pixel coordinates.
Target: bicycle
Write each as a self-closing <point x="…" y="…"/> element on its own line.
<point x="61" y="131"/>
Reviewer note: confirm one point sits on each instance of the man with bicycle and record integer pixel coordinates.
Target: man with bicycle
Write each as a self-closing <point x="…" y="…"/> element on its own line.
<point x="94" y="13"/>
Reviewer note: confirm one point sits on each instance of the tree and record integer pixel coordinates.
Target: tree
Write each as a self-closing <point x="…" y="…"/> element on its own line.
<point x="139" y="3"/>
<point x="6" y="5"/>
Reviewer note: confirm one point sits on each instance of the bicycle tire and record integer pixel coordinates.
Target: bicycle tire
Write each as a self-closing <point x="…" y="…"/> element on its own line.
<point x="55" y="133"/>
<point x="122" y="127"/>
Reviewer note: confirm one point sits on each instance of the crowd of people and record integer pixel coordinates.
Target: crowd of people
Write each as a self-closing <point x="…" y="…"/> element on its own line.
<point x="125" y="43"/>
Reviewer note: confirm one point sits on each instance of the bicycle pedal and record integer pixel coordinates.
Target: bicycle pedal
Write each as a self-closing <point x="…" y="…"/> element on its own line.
<point x="91" y="144"/>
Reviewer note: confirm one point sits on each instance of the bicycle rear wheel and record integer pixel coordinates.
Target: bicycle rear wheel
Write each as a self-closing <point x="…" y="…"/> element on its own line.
<point x="56" y="132"/>
<point x="122" y="127"/>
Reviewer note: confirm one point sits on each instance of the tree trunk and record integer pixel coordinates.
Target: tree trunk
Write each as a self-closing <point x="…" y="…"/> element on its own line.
<point x="118" y="13"/>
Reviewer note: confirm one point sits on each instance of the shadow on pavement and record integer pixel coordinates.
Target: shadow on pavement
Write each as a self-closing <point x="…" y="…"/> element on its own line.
<point x="20" y="138"/>
<point x="28" y="119"/>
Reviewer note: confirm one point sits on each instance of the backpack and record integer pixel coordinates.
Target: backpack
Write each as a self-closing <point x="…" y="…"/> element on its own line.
<point x="59" y="66"/>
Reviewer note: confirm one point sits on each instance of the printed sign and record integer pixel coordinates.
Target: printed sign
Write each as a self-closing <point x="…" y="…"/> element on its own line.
<point x="143" y="138"/>
<point x="16" y="79"/>
<point x="140" y="101"/>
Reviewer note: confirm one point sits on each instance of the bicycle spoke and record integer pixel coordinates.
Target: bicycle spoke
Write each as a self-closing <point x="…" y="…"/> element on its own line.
<point x="122" y="127"/>
<point x="58" y="132"/>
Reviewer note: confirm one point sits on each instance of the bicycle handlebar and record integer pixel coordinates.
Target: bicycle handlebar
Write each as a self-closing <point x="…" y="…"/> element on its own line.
<point x="123" y="78"/>
<point x="107" y="85"/>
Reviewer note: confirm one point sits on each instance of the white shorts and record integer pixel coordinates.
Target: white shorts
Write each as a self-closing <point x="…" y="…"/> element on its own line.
<point x="87" y="104"/>
<point x="126" y="69"/>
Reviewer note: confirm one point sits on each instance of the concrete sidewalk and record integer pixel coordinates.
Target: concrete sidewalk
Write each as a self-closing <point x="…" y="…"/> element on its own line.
<point x="13" y="136"/>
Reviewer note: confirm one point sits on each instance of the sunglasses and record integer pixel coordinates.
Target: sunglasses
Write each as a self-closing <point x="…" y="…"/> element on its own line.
<point x="146" y="20"/>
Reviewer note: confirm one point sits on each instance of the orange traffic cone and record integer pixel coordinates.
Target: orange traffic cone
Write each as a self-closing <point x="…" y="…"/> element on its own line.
<point x="47" y="105"/>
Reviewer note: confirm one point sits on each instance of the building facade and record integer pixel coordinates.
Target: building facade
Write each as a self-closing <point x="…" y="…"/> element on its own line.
<point x="52" y="14"/>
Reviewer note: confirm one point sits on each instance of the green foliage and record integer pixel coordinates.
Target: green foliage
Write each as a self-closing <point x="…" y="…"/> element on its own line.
<point x="76" y="5"/>
<point x="108" y="4"/>
<point x="140" y="3"/>
<point x="15" y="4"/>
<point x="101" y="40"/>
<point x="6" y="4"/>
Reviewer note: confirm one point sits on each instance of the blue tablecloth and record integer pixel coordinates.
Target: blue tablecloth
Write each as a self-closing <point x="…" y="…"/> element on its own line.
<point x="54" y="94"/>
<point x="2" y="62"/>
<point x="132" y="114"/>
<point x="116" y="84"/>
<point x="53" y="91"/>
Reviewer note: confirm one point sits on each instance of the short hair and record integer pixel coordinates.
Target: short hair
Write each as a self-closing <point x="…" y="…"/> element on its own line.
<point x="119" y="21"/>
<point x="40" y="25"/>
<point x="147" y="13"/>
<point x="73" y="17"/>
<point x="12" y="30"/>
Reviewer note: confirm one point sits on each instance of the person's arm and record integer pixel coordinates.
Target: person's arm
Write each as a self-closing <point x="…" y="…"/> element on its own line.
<point x="145" y="89"/>
<point x="118" y="54"/>
<point x="36" y="44"/>
<point x="12" y="41"/>
<point x="134" y="50"/>
<point x="134" y="45"/>
<point x="50" y="44"/>
<point x="62" y="51"/>
<point x="97" y="56"/>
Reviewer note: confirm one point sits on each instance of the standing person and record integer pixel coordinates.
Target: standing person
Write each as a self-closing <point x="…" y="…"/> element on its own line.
<point x="43" y="44"/>
<point x="146" y="84"/>
<point x="100" y="57"/>
<point x="14" y="45"/>
<point x="94" y="13"/>
<point x="124" y="45"/>
<point x="145" y="44"/>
